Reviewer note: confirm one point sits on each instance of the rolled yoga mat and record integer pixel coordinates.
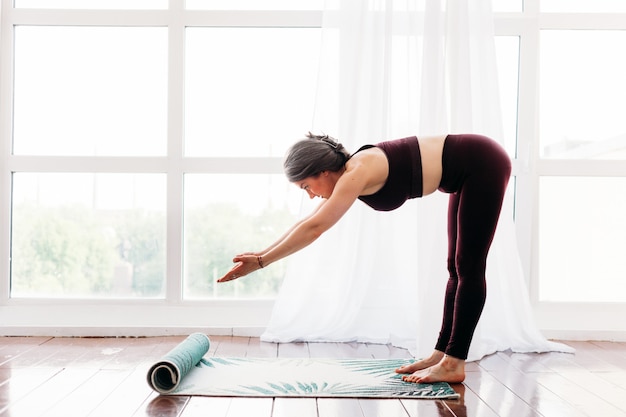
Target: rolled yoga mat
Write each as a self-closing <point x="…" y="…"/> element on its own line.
<point x="165" y="375"/>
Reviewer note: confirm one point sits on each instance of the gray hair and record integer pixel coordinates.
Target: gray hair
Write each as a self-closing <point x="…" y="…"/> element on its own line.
<point x="311" y="156"/>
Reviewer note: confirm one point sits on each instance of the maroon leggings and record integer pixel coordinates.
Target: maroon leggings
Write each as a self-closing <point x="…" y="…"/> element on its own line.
<point x="476" y="172"/>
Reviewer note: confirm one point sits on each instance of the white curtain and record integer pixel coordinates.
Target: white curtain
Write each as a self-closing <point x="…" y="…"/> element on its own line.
<point x="391" y="69"/>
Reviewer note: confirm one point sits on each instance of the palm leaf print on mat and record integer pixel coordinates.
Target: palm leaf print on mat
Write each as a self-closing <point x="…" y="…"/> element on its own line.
<point x="262" y="377"/>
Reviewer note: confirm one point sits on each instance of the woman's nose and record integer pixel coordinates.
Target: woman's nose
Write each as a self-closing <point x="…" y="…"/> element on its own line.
<point x="311" y="195"/>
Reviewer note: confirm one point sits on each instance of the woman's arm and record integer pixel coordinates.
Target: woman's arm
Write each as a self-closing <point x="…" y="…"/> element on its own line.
<point x="284" y="236"/>
<point x="347" y="189"/>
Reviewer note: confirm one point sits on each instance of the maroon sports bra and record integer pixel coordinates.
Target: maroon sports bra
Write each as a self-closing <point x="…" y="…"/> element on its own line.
<point x="405" y="174"/>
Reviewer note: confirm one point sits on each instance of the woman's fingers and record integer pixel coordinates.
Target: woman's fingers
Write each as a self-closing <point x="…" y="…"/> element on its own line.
<point x="234" y="273"/>
<point x="245" y="254"/>
<point x="244" y="264"/>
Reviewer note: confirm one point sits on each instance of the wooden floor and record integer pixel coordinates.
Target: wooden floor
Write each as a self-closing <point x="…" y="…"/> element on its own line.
<point x="46" y="376"/>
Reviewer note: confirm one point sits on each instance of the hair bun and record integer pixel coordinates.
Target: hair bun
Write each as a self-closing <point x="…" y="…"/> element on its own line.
<point x="329" y="140"/>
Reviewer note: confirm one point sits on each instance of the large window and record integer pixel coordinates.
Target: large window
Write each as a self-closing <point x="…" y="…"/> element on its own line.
<point x="103" y="91"/>
<point x="579" y="180"/>
<point x="141" y="148"/>
<point x="581" y="220"/>
<point x="141" y="144"/>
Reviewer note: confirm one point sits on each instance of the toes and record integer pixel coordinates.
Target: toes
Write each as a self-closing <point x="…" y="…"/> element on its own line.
<point x="409" y="378"/>
<point x="416" y="379"/>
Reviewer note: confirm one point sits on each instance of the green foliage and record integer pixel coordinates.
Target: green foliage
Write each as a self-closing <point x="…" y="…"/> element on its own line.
<point x="215" y="234"/>
<point x="74" y="251"/>
<point x="59" y="251"/>
<point x="141" y="242"/>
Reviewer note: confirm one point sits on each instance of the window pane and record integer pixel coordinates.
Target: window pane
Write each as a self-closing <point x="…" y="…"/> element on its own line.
<point x="507" y="5"/>
<point x="583" y="6"/>
<point x="92" y="4"/>
<point x="88" y="235"/>
<point x="507" y="55"/>
<point x="90" y="91"/>
<point x="255" y="4"/>
<point x="582" y="94"/>
<point x="581" y="239"/>
<point x="230" y="214"/>
<point x="249" y="91"/>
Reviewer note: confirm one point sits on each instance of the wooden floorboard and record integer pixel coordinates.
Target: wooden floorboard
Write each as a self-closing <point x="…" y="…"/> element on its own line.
<point x="300" y="407"/>
<point x="98" y="377"/>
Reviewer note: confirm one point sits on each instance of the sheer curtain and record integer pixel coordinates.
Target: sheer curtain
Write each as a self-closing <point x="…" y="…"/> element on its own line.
<point x="391" y="69"/>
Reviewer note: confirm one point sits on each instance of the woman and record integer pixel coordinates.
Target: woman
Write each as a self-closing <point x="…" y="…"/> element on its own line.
<point x="473" y="169"/>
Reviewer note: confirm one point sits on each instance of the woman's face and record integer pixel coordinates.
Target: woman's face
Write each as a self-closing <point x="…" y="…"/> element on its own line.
<point x="321" y="185"/>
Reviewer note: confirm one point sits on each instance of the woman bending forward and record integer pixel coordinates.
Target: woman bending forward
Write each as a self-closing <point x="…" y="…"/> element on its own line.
<point x="473" y="169"/>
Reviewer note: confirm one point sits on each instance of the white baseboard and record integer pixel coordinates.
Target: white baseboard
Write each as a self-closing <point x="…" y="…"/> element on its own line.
<point x="58" y="331"/>
<point x="73" y="331"/>
<point x="585" y="335"/>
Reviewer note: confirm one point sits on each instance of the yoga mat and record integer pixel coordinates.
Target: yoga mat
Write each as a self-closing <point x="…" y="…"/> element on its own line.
<point x="183" y="371"/>
<point x="165" y="375"/>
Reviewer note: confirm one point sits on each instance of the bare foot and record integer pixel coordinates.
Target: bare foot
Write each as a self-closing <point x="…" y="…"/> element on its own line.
<point x="449" y="369"/>
<point x="434" y="359"/>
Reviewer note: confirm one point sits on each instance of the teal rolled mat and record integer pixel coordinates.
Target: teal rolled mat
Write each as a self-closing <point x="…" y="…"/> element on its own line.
<point x="165" y="375"/>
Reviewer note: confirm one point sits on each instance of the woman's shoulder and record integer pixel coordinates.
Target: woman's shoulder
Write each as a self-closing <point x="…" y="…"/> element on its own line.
<point x="372" y="166"/>
<point x="367" y="153"/>
<point x="362" y="148"/>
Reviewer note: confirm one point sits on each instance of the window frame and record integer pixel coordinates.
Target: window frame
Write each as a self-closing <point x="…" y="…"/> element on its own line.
<point x="249" y="317"/>
<point x="566" y="320"/>
<point x="26" y="316"/>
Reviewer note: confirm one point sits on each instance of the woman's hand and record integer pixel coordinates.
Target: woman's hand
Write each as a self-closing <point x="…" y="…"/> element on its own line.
<point x="245" y="263"/>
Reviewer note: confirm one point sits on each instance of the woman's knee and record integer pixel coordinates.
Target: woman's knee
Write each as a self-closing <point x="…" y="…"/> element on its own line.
<point x="472" y="267"/>
<point x="452" y="267"/>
